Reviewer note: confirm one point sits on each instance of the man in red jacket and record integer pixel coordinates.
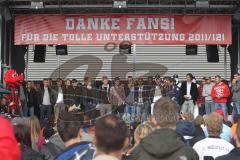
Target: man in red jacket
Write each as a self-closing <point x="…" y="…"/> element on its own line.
<point x="220" y="93"/>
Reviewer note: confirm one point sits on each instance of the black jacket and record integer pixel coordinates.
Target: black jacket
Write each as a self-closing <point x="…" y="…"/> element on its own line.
<point x="51" y="96"/>
<point x="29" y="154"/>
<point x="163" y="144"/>
<point x="233" y="155"/>
<point x="54" y="147"/>
<point x="103" y="95"/>
<point x="30" y="97"/>
<point x="193" y="92"/>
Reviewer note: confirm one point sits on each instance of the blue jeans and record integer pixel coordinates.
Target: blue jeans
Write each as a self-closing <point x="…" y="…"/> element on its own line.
<point x="131" y="111"/>
<point x="28" y="110"/>
<point x="143" y="111"/>
<point x="236" y="108"/>
<point x="45" y="112"/>
<point x="209" y="107"/>
<point x="223" y="107"/>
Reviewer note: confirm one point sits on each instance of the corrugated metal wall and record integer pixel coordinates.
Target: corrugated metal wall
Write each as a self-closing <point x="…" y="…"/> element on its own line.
<point x="168" y="59"/>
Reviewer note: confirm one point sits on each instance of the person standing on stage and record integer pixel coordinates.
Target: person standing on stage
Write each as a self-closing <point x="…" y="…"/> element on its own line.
<point x="207" y="89"/>
<point x="143" y="109"/>
<point x="130" y="108"/>
<point x="89" y="98"/>
<point x="58" y="89"/>
<point x="189" y="94"/>
<point x="47" y="101"/>
<point x="236" y="94"/>
<point x="67" y="92"/>
<point x="157" y="91"/>
<point x="201" y="99"/>
<point x="28" y="110"/>
<point x="117" y="97"/>
<point x="104" y="92"/>
<point x="220" y="93"/>
<point x="76" y="92"/>
<point x="150" y="90"/>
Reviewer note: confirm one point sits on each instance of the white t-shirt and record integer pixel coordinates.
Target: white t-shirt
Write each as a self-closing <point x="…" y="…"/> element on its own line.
<point x="188" y="88"/>
<point x="213" y="147"/>
<point x="46" y="97"/>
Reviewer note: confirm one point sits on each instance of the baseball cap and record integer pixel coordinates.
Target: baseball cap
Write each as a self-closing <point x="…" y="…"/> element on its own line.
<point x="220" y="112"/>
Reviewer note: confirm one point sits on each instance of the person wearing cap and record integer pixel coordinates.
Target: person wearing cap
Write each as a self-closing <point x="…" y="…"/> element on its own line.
<point x="207" y="89"/>
<point x="220" y="93"/>
<point x="212" y="146"/>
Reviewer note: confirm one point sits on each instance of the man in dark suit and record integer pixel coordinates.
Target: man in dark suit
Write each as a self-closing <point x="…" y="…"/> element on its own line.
<point x="189" y="94"/>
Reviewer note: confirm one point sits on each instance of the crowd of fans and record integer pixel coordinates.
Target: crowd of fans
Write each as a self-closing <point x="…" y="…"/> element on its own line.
<point x="157" y="119"/>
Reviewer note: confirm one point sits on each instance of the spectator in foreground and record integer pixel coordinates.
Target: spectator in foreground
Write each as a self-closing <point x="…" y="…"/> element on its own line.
<point x="164" y="143"/>
<point x="199" y="134"/>
<point x="186" y="128"/>
<point x="23" y="136"/>
<point x="226" y="131"/>
<point x="142" y="131"/>
<point x="8" y="145"/>
<point x="236" y="118"/>
<point x="54" y="145"/>
<point x="213" y="146"/>
<point x="112" y="136"/>
<point x="235" y="153"/>
<point x="37" y="138"/>
<point x="69" y="127"/>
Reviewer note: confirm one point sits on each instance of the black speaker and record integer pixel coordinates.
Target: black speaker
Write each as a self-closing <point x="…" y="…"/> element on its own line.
<point x="39" y="53"/>
<point x="212" y="53"/>
<point x="191" y="49"/>
<point x="61" y="50"/>
<point x="125" y="48"/>
<point x="17" y="58"/>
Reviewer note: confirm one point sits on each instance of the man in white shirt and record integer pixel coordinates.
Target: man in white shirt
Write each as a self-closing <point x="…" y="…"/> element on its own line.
<point x="46" y="102"/>
<point x="213" y="146"/>
<point x="189" y="94"/>
<point x="59" y="95"/>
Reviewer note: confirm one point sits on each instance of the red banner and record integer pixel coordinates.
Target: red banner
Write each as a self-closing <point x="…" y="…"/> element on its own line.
<point x="114" y="28"/>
